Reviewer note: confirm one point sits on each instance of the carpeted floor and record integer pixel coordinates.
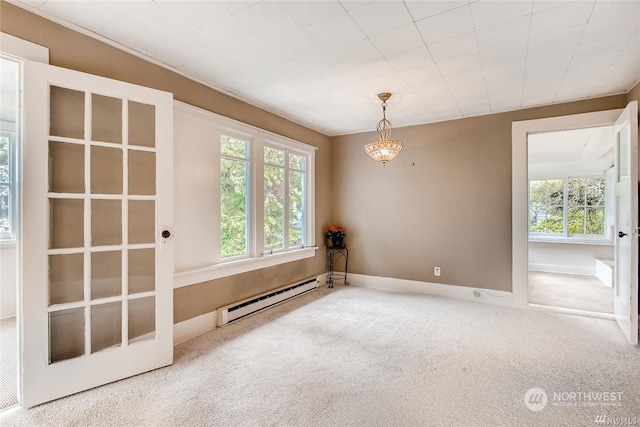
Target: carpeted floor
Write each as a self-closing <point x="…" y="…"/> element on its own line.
<point x="570" y="291"/>
<point x="354" y="356"/>
<point x="8" y="363"/>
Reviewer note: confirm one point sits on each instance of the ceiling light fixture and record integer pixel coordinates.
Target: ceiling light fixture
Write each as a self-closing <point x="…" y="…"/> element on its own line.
<point x="384" y="149"/>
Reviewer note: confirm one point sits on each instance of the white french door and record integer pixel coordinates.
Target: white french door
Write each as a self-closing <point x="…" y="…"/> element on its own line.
<point x="626" y="233"/>
<point x="97" y="261"/>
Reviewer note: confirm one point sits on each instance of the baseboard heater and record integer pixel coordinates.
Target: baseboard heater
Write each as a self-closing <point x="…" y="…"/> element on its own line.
<point x="242" y="309"/>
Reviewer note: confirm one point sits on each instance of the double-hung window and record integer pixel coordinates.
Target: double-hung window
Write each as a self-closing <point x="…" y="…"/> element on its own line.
<point x="572" y="208"/>
<point x="266" y="198"/>
<point x="285" y="199"/>
<point x="234" y="196"/>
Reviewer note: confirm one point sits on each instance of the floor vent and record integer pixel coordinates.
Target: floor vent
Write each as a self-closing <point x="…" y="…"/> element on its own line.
<point x="242" y="309"/>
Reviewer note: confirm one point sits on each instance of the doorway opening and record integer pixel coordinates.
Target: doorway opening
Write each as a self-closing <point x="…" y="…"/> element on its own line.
<point x="10" y="81"/>
<point x="571" y="219"/>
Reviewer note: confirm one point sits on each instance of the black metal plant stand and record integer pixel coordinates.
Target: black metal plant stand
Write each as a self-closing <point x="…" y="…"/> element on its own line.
<point x="334" y="254"/>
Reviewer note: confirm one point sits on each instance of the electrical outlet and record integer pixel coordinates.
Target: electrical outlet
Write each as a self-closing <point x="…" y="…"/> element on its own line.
<point x="476" y="294"/>
<point x="436" y="271"/>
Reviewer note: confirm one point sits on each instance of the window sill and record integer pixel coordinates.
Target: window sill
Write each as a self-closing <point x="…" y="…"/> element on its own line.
<point x="564" y="240"/>
<point x="231" y="268"/>
<point x="7" y="243"/>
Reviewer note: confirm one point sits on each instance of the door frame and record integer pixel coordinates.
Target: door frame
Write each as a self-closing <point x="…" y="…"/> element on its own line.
<point x="21" y="50"/>
<point x="520" y="186"/>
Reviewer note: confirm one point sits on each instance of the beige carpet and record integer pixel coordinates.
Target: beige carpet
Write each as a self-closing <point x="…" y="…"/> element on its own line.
<point x="8" y="363"/>
<point x="353" y="356"/>
<point x="570" y="291"/>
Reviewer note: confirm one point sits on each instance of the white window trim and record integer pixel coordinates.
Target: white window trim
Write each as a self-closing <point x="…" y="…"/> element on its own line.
<point x="255" y="259"/>
<point x="565" y="237"/>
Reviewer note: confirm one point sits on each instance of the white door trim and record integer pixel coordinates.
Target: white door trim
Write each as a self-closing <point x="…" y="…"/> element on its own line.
<point x="519" y="185"/>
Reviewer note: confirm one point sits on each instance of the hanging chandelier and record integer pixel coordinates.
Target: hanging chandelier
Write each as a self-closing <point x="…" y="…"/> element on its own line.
<point x="384" y="149"/>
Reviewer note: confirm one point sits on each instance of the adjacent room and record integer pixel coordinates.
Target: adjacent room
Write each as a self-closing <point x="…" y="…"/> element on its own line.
<point x="319" y="212"/>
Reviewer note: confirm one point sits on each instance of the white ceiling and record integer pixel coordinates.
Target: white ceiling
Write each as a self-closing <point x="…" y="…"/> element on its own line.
<point x="322" y="63"/>
<point x="589" y="150"/>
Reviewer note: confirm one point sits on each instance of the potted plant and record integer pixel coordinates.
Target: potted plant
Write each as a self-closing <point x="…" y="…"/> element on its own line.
<point x="335" y="236"/>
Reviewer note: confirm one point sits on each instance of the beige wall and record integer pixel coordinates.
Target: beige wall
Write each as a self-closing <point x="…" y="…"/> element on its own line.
<point x="72" y="50"/>
<point x="634" y="93"/>
<point x="445" y="201"/>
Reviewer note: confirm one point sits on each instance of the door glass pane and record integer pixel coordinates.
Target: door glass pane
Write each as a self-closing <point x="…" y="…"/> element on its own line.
<point x="66" y="223"/>
<point x="142" y="267"/>
<point x="106" y="170"/>
<point x="106" y="222"/>
<point x="67" y="113"/>
<point x="142" y="221"/>
<point x="142" y="319"/>
<point x="142" y="124"/>
<point x="106" y="119"/>
<point x="106" y="326"/>
<point x="623" y="154"/>
<point x="5" y="208"/>
<point x="66" y="334"/>
<point x="106" y="274"/>
<point x="66" y="278"/>
<point x="66" y="167"/>
<point x="142" y="172"/>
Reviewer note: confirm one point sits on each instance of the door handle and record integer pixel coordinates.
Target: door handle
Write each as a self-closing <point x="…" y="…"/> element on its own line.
<point x="166" y="234"/>
<point x="621" y="234"/>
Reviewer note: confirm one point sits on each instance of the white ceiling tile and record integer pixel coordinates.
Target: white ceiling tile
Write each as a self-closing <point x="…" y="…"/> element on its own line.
<point x="507" y="74"/>
<point x="381" y="16"/>
<point x="293" y="45"/>
<point x="372" y="69"/>
<point x="413" y="58"/>
<point x="309" y="12"/>
<point x="616" y="10"/>
<point x="503" y="54"/>
<point x="446" y="25"/>
<point x="420" y="9"/>
<point x="447" y="113"/>
<point x="336" y="31"/>
<point x="598" y="29"/>
<point x="514" y="31"/>
<point x="352" y="4"/>
<point x="504" y="105"/>
<point x="553" y="40"/>
<point x="540" y="5"/>
<point x="356" y="53"/>
<point x="468" y="83"/>
<point x="460" y="64"/>
<point x="488" y="13"/>
<point x="433" y="91"/>
<point x="557" y="18"/>
<point x="399" y="40"/>
<point x="475" y="108"/>
<point x="267" y="19"/>
<point x="420" y="74"/>
<point x="453" y="48"/>
<point x="93" y="15"/>
<point x="236" y="6"/>
<point x="193" y="13"/>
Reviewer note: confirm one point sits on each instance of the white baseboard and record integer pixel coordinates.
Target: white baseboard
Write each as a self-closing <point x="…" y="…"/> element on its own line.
<point x="565" y="269"/>
<point x="195" y="326"/>
<point x="450" y="291"/>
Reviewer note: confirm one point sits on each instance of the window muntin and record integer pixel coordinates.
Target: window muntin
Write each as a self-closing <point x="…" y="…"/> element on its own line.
<point x="234" y="197"/>
<point x="569" y="207"/>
